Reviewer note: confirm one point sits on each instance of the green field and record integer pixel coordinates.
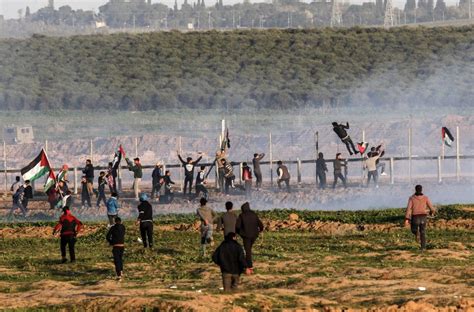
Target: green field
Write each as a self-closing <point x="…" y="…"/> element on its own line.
<point x="294" y="268"/>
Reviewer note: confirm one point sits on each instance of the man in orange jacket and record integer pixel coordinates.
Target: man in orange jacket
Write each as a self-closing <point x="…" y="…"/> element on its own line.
<point x="416" y="214"/>
<point x="68" y="226"/>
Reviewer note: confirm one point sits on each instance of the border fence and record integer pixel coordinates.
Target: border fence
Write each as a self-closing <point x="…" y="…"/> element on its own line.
<point x="277" y="146"/>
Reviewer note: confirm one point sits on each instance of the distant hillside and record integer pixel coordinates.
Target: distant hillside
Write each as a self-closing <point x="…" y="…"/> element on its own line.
<point x="270" y="69"/>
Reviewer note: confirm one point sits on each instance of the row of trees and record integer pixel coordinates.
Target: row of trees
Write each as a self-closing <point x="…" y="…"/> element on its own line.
<point x="252" y="69"/>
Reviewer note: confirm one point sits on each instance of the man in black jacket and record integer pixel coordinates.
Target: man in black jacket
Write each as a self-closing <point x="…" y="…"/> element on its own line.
<point x="189" y="165"/>
<point x="340" y="130"/>
<point x="145" y="220"/>
<point x="116" y="238"/>
<point x="321" y="169"/>
<point x="156" y="180"/>
<point x="249" y="227"/>
<point x="229" y="256"/>
<point x="89" y="174"/>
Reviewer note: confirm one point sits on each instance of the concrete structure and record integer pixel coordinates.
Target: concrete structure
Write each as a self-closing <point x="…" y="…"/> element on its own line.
<point x="18" y="135"/>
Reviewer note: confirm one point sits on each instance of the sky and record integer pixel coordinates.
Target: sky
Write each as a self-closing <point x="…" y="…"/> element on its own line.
<point x="9" y="8"/>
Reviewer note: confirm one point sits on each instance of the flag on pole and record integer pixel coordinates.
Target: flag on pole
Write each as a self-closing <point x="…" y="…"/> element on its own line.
<point x="118" y="157"/>
<point x="53" y="180"/>
<point x="37" y="168"/>
<point x="446" y="136"/>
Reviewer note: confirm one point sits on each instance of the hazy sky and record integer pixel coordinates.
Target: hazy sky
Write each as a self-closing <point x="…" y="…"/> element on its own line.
<point x="9" y="8"/>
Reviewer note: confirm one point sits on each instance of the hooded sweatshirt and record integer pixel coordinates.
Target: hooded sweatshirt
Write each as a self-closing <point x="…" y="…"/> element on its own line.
<point x="68" y="224"/>
<point x="417" y="206"/>
<point x="248" y="223"/>
<point x="112" y="206"/>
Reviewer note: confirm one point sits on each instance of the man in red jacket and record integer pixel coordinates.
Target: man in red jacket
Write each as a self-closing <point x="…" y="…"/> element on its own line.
<point x="68" y="226"/>
<point x="416" y="214"/>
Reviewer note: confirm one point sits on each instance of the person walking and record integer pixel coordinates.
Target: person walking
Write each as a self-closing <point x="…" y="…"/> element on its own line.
<point x="229" y="175"/>
<point x="341" y="132"/>
<point x="88" y="172"/>
<point x="16" y="185"/>
<point x="136" y="168"/>
<point x="189" y="166"/>
<point x="257" y="170"/>
<point x="17" y="200"/>
<point x="201" y="183"/>
<point x="338" y="164"/>
<point x="101" y="182"/>
<point x="113" y="207"/>
<point x="156" y="181"/>
<point x="145" y="221"/>
<point x="371" y="166"/>
<point x="85" y="195"/>
<point x="207" y="217"/>
<point x="229" y="256"/>
<point x="116" y="238"/>
<point x="418" y="208"/>
<point x="248" y="226"/>
<point x="27" y="194"/>
<point x="228" y="220"/>
<point x="283" y="175"/>
<point x="247" y="178"/>
<point x="68" y="226"/>
<point x="321" y="169"/>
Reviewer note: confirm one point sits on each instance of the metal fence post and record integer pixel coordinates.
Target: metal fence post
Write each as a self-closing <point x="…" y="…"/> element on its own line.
<point x="458" y="161"/>
<point x="271" y="159"/>
<point x="75" y="180"/>
<point x="392" y="172"/>
<point x="92" y="151"/>
<point x="136" y="147"/>
<point x="5" y="166"/>
<point x="119" y="179"/>
<point x="409" y="154"/>
<point x="439" y="169"/>
<point x="298" y="169"/>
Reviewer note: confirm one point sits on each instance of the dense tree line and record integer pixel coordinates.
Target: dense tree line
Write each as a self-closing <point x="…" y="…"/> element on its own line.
<point x="268" y="68"/>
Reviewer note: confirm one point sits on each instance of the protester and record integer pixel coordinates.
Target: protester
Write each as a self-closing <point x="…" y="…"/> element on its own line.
<point x="228" y="220"/>
<point x="156" y="181"/>
<point x="52" y="197"/>
<point x="207" y="217"/>
<point x="112" y="178"/>
<point x="257" y="170"/>
<point x="145" y="220"/>
<point x="201" y="183"/>
<point x="229" y="256"/>
<point x="321" y="169"/>
<point x="283" y="175"/>
<point x="85" y="195"/>
<point x="136" y="168"/>
<point x="14" y="187"/>
<point x="116" y="238"/>
<point x="416" y="214"/>
<point x="378" y="151"/>
<point x="17" y="200"/>
<point x="27" y="194"/>
<point x="247" y="178"/>
<point x="221" y="157"/>
<point x="371" y="166"/>
<point x="102" y="182"/>
<point x="338" y="164"/>
<point x="169" y="195"/>
<point x="68" y="226"/>
<point x="189" y="166"/>
<point x="248" y="226"/>
<point x="341" y="132"/>
<point x="228" y="175"/>
<point x="88" y="172"/>
<point x="113" y="207"/>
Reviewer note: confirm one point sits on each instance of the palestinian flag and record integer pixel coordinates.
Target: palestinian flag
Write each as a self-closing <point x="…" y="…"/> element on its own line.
<point x="37" y="168"/>
<point x="362" y="147"/>
<point x="118" y="157"/>
<point x="52" y="180"/>
<point x="446" y="136"/>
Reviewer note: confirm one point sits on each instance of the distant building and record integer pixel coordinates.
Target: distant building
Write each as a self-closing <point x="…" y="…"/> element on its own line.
<point x="18" y="135"/>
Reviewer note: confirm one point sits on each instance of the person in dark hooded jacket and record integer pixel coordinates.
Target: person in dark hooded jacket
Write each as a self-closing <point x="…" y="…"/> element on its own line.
<point x="229" y="256"/>
<point x="249" y="227"/>
<point x="145" y="220"/>
<point x="341" y="132"/>
<point x="321" y="169"/>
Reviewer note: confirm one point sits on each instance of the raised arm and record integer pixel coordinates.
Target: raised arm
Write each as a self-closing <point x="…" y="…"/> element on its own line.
<point x="197" y="160"/>
<point x="181" y="159"/>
